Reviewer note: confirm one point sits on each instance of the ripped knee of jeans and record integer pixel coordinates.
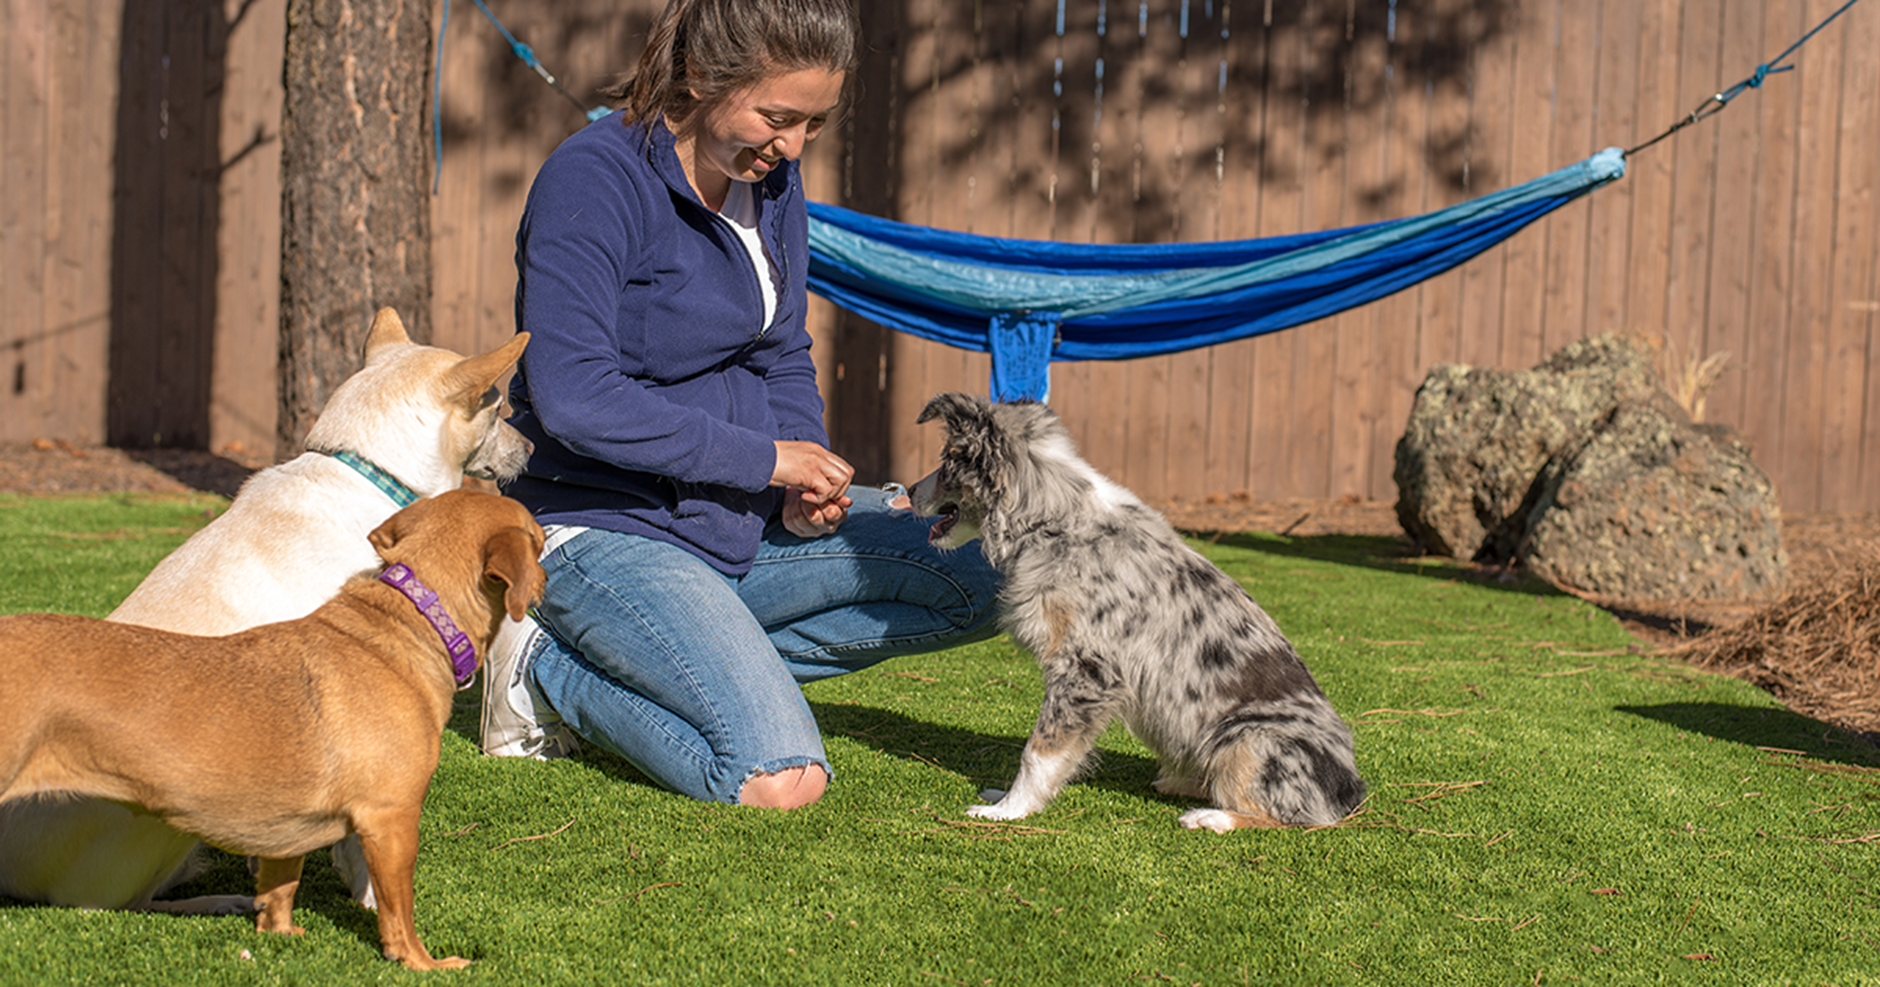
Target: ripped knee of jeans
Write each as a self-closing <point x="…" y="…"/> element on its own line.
<point x="790" y="786"/>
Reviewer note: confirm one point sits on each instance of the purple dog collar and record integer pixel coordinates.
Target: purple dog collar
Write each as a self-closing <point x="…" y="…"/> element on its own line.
<point x="463" y="654"/>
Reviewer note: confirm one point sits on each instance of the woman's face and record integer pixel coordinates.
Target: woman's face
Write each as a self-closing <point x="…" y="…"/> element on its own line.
<point x="745" y="135"/>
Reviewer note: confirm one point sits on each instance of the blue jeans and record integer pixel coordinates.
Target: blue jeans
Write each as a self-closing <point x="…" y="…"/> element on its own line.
<point x="692" y="675"/>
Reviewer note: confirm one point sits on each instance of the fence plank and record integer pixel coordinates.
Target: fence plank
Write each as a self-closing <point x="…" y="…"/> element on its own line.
<point x="936" y="44"/>
<point x="163" y="259"/>
<point x="75" y="319"/>
<point x="1400" y="192"/>
<point x="1798" y="457"/>
<point x="855" y="389"/>
<point x="1759" y="411"/>
<point x="1851" y="285"/>
<point x="1315" y="346"/>
<point x="1733" y="234"/>
<point x="1287" y="158"/>
<point x="1615" y="124"/>
<point x="1448" y="153"/>
<point x="1074" y="51"/>
<point x="1243" y="96"/>
<point x="23" y="109"/>
<point x="465" y="184"/>
<point x="1660" y="103"/>
<point x="247" y="311"/>
<point x="1694" y="182"/>
<point x="1155" y="88"/>
<point x="1355" y="400"/>
<point x="1564" y="315"/>
<point x="1199" y="136"/>
<point x="1109" y="200"/>
<point x="1869" y="306"/>
<point x="1516" y="340"/>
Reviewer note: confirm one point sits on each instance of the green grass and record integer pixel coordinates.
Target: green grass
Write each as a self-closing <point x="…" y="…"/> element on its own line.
<point x="1549" y="805"/>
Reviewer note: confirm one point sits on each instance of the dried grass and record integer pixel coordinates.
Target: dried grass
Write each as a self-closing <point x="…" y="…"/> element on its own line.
<point x="1817" y="648"/>
<point x="1689" y="380"/>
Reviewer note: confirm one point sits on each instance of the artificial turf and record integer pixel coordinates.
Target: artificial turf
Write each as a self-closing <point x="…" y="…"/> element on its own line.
<point x="1550" y="804"/>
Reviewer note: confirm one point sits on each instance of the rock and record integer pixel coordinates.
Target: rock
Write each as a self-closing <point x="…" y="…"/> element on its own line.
<point x="1478" y="438"/>
<point x="1647" y="505"/>
<point x="1586" y="470"/>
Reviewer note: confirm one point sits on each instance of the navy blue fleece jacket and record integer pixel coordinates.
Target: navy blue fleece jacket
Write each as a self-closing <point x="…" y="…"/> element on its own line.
<point x="652" y="393"/>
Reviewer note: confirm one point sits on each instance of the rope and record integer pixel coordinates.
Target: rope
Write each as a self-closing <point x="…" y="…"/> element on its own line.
<point x="1715" y="104"/>
<point x="437" y="103"/>
<point x="522" y="51"/>
<point x="1708" y="108"/>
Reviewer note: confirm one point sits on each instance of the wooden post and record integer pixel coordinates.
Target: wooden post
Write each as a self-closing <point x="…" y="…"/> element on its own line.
<point x="355" y="187"/>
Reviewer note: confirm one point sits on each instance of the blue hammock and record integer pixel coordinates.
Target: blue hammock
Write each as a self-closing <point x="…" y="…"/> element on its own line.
<point x="1028" y="302"/>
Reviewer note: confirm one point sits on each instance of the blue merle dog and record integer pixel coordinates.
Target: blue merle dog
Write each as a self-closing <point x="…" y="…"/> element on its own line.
<point x="1125" y="620"/>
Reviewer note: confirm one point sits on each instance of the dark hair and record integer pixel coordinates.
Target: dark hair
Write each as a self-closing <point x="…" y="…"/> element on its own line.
<point x="716" y="47"/>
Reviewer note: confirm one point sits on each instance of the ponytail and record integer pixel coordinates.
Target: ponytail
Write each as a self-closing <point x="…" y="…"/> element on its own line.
<point x="698" y="51"/>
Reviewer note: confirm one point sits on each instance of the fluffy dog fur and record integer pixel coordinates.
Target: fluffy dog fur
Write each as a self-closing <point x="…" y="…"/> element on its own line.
<point x="293" y="535"/>
<point x="280" y="739"/>
<point x="1125" y="620"/>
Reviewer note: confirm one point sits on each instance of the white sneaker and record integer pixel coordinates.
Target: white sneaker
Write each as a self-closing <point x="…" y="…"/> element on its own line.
<point x="517" y="720"/>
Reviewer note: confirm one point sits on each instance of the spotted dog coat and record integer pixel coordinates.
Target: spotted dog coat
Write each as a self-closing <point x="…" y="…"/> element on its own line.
<point x="1125" y="620"/>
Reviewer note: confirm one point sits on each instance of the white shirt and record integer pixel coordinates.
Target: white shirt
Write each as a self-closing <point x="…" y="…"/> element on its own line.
<point x="740" y="213"/>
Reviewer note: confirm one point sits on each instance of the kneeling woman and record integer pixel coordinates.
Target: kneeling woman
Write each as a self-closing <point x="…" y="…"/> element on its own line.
<point x="706" y="553"/>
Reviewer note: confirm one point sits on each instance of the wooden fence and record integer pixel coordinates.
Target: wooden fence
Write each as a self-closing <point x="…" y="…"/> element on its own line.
<point x="139" y="211"/>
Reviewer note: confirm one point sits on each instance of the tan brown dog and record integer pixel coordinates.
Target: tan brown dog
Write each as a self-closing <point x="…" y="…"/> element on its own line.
<point x="279" y="740"/>
<point x="416" y="417"/>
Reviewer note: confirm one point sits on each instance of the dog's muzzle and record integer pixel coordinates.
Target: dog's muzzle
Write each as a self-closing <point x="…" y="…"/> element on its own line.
<point x="923" y="497"/>
<point x="949" y="516"/>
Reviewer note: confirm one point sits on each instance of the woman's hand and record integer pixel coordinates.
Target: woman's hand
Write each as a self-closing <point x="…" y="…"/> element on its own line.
<point x="822" y="475"/>
<point x="816" y="483"/>
<point x="806" y="520"/>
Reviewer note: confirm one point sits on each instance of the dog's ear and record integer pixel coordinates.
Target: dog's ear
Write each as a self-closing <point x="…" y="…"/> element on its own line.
<point x="471" y="384"/>
<point x="951" y="407"/>
<point x="977" y="447"/>
<point x="510" y="555"/>
<point x="387" y="330"/>
<point x="393" y="530"/>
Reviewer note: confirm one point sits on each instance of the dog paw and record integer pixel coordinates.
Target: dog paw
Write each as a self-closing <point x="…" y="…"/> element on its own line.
<point x="422" y="962"/>
<point x="994" y="813"/>
<point x="229" y="904"/>
<point x="1214" y="820"/>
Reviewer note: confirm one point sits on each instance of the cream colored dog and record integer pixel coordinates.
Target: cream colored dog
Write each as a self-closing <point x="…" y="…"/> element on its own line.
<point x="412" y="422"/>
<point x="280" y="739"/>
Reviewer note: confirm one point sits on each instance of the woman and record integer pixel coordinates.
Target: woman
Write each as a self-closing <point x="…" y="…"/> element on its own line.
<point x="705" y="552"/>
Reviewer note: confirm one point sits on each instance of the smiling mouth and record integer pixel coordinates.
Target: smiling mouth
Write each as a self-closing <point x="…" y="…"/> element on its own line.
<point x="949" y="516"/>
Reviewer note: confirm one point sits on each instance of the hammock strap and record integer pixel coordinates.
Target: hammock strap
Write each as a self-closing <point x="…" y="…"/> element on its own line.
<point x="1021" y="354"/>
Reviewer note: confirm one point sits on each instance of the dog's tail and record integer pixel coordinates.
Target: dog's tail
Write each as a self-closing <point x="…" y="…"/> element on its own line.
<point x="1290" y="759"/>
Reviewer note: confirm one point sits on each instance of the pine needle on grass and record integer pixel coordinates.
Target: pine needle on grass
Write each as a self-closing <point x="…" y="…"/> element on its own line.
<point x="977" y="829"/>
<point x="1566" y="784"/>
<point x="1820" y="641"/>
<point x="530" y="839"/>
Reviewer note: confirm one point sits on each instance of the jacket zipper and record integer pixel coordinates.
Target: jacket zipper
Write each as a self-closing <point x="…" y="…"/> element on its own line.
<point x="783" y="266"/>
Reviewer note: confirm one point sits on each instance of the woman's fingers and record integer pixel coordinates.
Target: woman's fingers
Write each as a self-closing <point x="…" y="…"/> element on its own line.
<point x="821" y="474"/>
